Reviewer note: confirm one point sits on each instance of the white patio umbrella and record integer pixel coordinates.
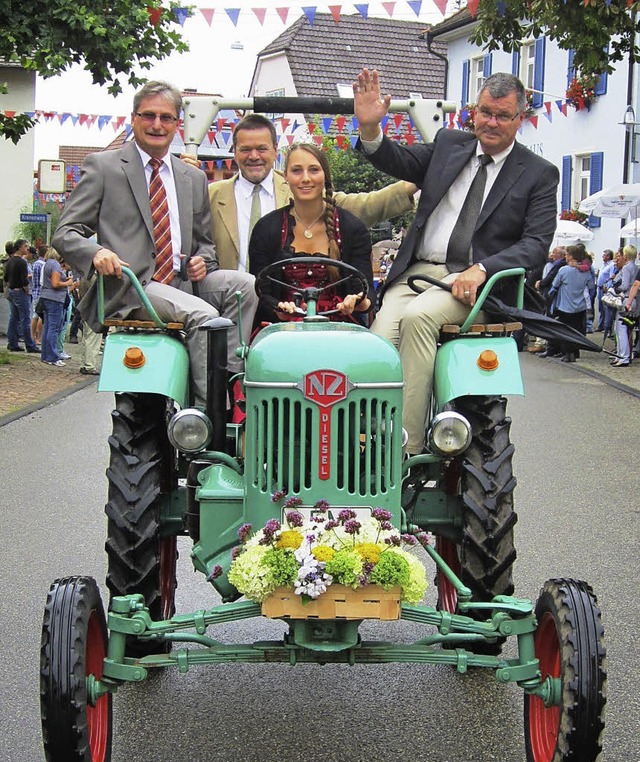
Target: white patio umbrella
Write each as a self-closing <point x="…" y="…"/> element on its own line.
<point x="631" y="229"/>
<point x="570" y="231"/>
<point x="615" y="201"/>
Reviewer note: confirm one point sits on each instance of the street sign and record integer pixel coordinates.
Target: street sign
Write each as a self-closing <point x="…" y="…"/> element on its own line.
<point x="34" y="217"/>
<point x="52" y="176"/>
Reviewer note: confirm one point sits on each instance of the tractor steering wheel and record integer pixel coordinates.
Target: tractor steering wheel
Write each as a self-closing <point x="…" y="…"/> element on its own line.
<point x="310" y="294"/>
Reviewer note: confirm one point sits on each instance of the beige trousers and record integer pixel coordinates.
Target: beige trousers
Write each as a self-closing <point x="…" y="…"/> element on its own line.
<point x="412" y="323"/>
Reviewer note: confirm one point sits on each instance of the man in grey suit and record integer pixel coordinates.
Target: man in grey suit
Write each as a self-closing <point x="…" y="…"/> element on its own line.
<point x="513" y="227"/>
<point x="111" y="204"/>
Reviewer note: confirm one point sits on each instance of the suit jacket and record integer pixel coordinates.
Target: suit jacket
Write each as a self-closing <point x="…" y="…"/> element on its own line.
<point x="369" y="207"/>
<point x="518" y="219"/>
<point x="111" y="202"/>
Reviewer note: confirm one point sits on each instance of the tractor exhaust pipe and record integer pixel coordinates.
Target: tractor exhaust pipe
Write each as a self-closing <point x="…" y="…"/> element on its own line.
<point x="216" y="408"/>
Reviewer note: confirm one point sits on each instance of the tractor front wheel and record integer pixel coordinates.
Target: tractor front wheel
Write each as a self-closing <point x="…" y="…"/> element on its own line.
<point x="74" y="645"/>
<point x="141" y="469"/>
<point x="569" y="644"/>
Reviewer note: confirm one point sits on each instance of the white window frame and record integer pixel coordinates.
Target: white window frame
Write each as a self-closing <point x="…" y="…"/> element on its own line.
<point x="581" y="177"/>
<point x="476" y="77"/>
<point x="528" y="63"/>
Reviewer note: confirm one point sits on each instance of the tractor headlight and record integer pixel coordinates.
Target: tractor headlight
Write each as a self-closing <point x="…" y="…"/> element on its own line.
<point x="449" y="434"/>
<point x="190" y="430"/>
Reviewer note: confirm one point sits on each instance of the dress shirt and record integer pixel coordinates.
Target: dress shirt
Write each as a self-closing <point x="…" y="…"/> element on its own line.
<point x="439" y="226"/>
<point x="243" y="191"/>
<point x="166" y="175"/>
<point x="606" y="273"/>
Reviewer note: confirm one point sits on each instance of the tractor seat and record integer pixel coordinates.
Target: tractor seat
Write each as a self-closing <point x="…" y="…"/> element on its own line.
<point x="481" y="329"/>
<point x="141" y="324"/>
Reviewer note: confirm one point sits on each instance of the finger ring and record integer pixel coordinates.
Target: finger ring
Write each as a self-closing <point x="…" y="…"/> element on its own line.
<point x="466" y="293"/>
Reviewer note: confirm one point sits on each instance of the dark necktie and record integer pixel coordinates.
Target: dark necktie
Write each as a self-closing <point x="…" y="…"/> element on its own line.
<point x="460" y="242"/>
<point x="161" y="225"/>
<point x="256" y="208"/>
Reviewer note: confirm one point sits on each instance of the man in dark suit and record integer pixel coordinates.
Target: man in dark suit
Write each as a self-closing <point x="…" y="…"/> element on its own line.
<point x="514" y="226"/>
<point x="109" y="222"/>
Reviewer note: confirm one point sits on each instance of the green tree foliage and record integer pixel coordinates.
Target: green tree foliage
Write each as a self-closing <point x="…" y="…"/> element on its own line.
<point x="352" y="173"/>
<point x="599" y="33"/>
<point x="37" y="231"/>
<point x="110" y="39"/>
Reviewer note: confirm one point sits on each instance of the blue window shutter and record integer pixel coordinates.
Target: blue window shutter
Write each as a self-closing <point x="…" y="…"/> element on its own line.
<point x="465" y="83"/>
<point x="601" y="84"/>
<point x="515" y="63"/>
<point x="566" y="182"/>
<point x="486" y="66"/>
<point x="571" y="72"/>
<point x="595" y="182"/>
<point x="538" y="73"/>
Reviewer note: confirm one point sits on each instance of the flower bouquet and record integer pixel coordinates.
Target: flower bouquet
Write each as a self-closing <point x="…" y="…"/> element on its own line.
<point x="307" y="556"/>
<point x="575" y="215"/>
<point x="582" y="91"/>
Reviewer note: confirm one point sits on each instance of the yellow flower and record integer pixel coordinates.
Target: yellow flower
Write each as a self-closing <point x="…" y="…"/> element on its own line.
<point x="290" y="538"/>
<point x="323" y="553"/>
<point x="369" y="551"/>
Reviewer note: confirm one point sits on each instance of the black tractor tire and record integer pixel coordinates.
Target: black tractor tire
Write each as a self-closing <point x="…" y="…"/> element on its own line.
<point x="569" y="644"/>
<point x="483" y="558"/>
<point x="141" y="469"/>
<point x="74" y="645"/>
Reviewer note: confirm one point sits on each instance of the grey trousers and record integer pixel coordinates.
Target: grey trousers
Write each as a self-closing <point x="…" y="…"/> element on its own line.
<point x="175" y="303"/>
<point x="412" y="323"/>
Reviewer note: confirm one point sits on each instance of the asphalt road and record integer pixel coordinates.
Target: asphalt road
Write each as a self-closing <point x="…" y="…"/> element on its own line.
<point x="577" y="498"/>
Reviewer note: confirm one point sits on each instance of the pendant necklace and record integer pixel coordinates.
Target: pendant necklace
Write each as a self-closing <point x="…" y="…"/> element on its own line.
<point x="307" y="232"/>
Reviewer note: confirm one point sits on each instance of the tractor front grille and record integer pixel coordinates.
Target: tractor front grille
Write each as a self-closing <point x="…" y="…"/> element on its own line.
<point x="342" y="452"/>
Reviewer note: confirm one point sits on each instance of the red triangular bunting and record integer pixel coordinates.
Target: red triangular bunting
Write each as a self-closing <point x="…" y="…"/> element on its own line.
<point x="441" y="5"/>
<point x="335" y="12"/>
<point x="472" y="6"/>
<point x="260" y="12"/>
<point x="340" y="122"/>
<point x="534" y="121"/>
<point x="397" y="120"/>
<point x="411" y="139"/>
<point x="221" y="123"/>
<point x="389" y="8"/>
<point x="285" y="123"/>
<point x="283" y="13"/>
<point x="154" y="15"/>
<point x="208" y="14"/>
<point x="342" y="141"/>
<point x="227" y="163"/>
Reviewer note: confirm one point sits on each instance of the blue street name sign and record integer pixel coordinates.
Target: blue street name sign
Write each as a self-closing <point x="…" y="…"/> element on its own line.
<point x="33" y="217"/>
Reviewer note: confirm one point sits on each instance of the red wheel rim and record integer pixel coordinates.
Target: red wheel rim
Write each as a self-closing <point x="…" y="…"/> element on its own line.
<point x="168" y="557"/>
<point x="447" y="594"/>
<point x="98" y="715"/>
<point x="544" y="723"/>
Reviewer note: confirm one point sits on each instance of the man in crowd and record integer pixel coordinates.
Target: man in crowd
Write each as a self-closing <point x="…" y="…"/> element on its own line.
<point x="603" y="276"/>
<point x="16" y="278"/>
<point x="150" y="212"/>
<point x="487" y="204"/>
<point x="239" y="202"/>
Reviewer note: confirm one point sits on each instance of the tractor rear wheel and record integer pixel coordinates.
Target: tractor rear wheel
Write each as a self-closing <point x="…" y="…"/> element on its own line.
<point x="74" y="645"/>
<point x="483" y="558"/>
<point x="569" y="644"/>
<point x="141" y="469"/>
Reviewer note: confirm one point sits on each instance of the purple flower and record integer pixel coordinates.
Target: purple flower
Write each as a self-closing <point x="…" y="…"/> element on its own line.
<point x="215" y="572"/>
<point x="423" y="539"/>
<point x="278" y="495"/>
<point x="331" y="524"/>
<point x="346" y="514"/>
<point x="379" y="514"/>
<point x="393" y="540"/>
<point x="235" y="552"/>
<point x="321" y="505"/>
<point x="311" y="538"/>
<point x="386" y="526"/>
<point x="270" y="528"/>
<point x="292" y="502"/>
<point x="295" y="518"/>
<point x="352" y="526"/>
<point x="244" y="532"/>
<point x="409" y="539"/>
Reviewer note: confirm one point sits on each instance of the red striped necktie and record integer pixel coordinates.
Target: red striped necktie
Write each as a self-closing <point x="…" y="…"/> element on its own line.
<point x="161" y="225"/>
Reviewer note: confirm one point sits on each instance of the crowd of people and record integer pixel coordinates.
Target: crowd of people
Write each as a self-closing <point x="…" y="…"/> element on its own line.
<point x="576" y="294"/>
<point x="486" y="204"/>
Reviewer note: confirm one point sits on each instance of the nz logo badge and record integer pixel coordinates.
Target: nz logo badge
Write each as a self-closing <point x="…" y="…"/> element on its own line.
<point x="324" y="388"/>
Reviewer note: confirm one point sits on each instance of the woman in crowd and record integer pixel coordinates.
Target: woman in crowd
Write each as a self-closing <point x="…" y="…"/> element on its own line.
<point x="311" y="225"/>
<point x="568" y="290"/>
<point x="622" y="284"/>
<point x="55" y="288"/>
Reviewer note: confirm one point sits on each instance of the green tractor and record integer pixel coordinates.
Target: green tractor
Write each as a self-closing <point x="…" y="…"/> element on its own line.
<point x="323" y="431"/>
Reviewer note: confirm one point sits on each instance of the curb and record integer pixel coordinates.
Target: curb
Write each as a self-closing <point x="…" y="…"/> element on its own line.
<point x="605" y="379"/>
<point x="11" y="417"/>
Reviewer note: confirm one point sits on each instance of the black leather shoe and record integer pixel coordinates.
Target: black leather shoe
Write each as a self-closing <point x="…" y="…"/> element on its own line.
<point x="15" y="349"/>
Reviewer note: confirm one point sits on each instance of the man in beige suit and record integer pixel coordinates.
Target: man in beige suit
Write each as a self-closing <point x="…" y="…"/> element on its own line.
<point x="255" y="150"/>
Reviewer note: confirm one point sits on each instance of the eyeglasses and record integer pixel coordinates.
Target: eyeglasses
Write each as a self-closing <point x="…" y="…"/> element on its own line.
<point x="500" y="118"/>
<point x="150" y="117"/>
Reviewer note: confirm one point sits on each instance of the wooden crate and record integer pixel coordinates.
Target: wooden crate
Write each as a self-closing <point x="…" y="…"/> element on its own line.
<point x="339" y="602"/>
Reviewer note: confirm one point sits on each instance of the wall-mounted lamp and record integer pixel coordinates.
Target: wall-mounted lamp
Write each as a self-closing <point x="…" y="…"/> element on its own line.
<point x="630" y="124"/>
